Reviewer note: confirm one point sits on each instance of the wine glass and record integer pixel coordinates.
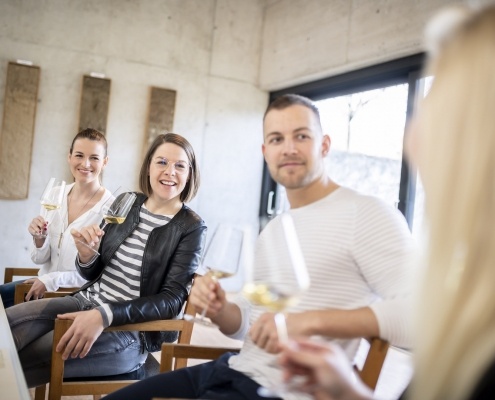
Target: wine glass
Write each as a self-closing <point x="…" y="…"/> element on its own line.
<point x="114" y="212"/>
<point x="280" y="284"/>
<point x="51" y="200"/>
<point x="221" y="260"/>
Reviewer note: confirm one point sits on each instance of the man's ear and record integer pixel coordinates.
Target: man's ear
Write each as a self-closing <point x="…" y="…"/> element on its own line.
<point x="325" y="145"/>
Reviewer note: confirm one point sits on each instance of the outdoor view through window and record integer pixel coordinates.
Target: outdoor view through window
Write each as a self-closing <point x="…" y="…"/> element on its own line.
<point x="367" y="131"/>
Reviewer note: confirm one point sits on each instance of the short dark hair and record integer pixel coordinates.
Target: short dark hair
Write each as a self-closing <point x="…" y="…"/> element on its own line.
<point x="287" y="100"/>
<point x="91" y="134"/>
<point x="192" y="185"/>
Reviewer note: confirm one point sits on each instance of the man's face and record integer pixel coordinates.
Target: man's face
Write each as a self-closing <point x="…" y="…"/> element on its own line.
<point x="294" y="146"/>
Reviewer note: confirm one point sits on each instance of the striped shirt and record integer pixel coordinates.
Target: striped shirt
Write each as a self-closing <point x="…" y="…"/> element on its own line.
<point x="358" y="252"/>
<point x="121" y="278"/>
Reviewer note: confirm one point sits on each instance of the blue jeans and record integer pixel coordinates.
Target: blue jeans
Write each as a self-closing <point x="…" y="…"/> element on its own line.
<point x="32" y="328"/>
<point x="7" y="292"/>
<point x="212" y="380"/>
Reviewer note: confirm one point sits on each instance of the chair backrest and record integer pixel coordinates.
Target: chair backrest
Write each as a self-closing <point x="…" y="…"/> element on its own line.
<point x="373" y="363"/>
<point x="58" y="387"/>
<point x="369" y="374"/>
<point x="10" y="272"/>
<point x="182" y="352"/>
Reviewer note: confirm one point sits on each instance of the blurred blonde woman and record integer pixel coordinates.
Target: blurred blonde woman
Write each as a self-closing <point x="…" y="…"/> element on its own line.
<point x="453" y="144"/>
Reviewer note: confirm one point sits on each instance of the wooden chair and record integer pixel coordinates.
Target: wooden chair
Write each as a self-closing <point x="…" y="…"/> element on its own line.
<point x="103" y="385"/>
<point x="373" y="363"/>
<point x="10" y="272"/>
<point x="23" y="288"/>
<point x="369" y="374"/>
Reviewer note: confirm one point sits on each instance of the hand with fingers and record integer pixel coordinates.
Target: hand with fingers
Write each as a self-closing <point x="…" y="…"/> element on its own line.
<point x="87" y="241"/>
<point x="79" y="338"/>
<point x="264" y="334"/>
<point x="323" y="370"/>
<point x="38" y="227"/>
<point x="207" y="294"/>
<point x="37" y="290"/>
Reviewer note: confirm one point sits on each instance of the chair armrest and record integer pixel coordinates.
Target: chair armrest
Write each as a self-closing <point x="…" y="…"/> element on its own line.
<point x="185" y="351"/>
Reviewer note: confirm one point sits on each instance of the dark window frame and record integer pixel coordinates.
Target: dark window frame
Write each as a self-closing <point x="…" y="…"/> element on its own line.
<point x="403" y="70"/>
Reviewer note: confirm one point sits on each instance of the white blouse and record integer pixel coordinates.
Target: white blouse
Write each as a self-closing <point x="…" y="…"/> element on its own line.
<point x="58" y="253"/>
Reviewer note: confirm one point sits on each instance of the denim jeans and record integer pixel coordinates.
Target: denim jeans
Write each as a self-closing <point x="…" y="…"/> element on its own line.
<point x="32" y="328"/>
<point x="7" y="292"/>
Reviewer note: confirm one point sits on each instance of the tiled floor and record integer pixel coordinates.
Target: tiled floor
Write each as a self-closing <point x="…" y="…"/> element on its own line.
<point x="395" y="374"/>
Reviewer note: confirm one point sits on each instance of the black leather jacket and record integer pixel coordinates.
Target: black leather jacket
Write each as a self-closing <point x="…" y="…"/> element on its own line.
<point x="171" y="257"/>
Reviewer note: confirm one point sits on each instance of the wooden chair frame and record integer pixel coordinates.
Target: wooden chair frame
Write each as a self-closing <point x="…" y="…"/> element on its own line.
<point x="23" y="288"/>
<point x="10" y="272"/>
<point x="369" y="374"/>
<point x="59" y="388"/>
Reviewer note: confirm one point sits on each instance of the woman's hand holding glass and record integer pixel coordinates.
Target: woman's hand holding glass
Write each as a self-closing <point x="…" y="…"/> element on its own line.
<point x="87" y="241"/>
<point x="51" y="200"/>
<point x="114" y="211"/>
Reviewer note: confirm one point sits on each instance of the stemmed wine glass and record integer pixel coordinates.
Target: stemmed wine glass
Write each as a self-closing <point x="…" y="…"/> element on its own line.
<point x="281" y="284"/>
<point x="114" y="212"/>
<point x="51" y="200"/>
<point x="221" y="260"/>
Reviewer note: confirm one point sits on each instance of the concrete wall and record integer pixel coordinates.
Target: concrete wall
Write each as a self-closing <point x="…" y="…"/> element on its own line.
<point x="305" y="40"/>
<point x="222" y="57"/>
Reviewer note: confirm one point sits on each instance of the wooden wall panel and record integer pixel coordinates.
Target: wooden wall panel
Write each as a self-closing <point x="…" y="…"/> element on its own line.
<point x="16" y="137"/>
<point x="95" y="99"/>
<point x="161" y="113"/>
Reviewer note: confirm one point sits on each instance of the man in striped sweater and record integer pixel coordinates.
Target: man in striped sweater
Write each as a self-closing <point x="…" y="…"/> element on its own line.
<point x="357" y="250"/>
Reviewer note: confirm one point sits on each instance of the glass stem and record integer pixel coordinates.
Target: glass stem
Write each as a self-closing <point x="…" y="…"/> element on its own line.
<point x="281" y="324"/>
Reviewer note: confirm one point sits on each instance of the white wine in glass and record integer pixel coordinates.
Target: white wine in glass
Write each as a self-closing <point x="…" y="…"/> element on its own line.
<point x="114" y="212"/>
<point x="51" y="200"/>
<point x="221" y="260"/>
<point x="281" y="283"/>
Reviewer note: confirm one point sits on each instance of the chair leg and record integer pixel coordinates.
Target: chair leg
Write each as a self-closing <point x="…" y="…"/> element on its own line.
<point x="39" y="393"/>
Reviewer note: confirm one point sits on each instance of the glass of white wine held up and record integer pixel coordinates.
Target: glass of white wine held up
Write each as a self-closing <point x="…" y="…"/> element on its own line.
<point x="221" y="260"/>
<point x="114" y="211"/>
<point x="51" y="200"/>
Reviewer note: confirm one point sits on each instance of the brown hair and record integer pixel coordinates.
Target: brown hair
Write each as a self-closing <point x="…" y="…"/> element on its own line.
<point x="91" y="134"/>
<point x="192" y="185"/>
<point x="288" y="100"/>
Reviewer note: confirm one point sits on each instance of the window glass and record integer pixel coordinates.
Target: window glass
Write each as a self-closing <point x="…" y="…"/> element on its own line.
<point x="424" y="85"/>
<point x="367" y="130"/>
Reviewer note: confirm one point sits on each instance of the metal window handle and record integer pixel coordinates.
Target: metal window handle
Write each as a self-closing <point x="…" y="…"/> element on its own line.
<point x="269" y="206"/>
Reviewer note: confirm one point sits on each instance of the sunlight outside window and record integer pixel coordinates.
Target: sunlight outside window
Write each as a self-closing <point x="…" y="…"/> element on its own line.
<point x="367" y="130"/>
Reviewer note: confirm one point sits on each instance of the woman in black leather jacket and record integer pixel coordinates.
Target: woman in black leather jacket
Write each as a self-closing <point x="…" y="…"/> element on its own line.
<point x="143" y="273"/>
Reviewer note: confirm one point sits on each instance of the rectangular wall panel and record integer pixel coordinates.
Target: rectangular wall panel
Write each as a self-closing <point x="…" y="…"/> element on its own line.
<point x="95" y="99"/>
<point x="161" y="113"/>
<point x="16" y="137"/>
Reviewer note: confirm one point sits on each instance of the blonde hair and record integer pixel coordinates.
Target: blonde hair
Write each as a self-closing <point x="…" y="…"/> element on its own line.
<point x="456" y="332"/>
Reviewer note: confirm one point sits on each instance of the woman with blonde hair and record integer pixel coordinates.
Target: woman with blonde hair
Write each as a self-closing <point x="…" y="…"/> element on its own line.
<point x="453" y="145"/>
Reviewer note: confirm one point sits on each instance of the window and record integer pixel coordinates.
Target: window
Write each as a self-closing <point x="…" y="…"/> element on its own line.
<point x="365" y="113"/>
